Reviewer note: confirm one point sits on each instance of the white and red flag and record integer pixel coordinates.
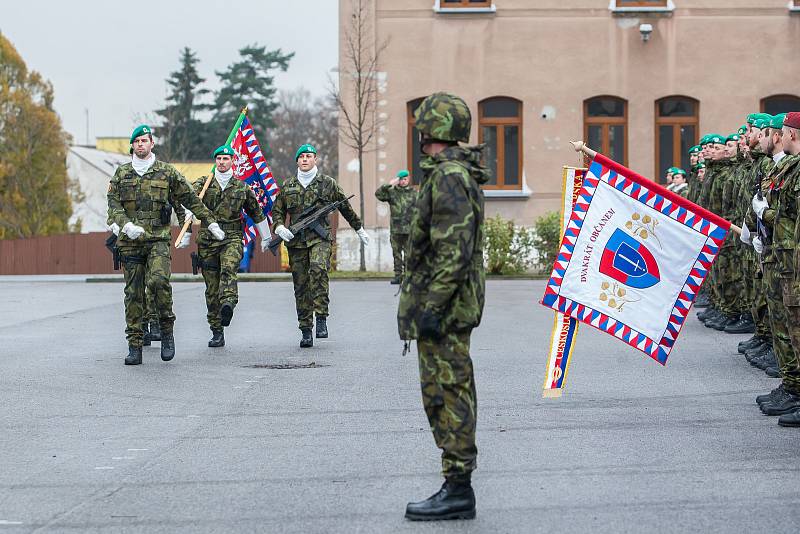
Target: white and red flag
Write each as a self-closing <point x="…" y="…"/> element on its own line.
<point x="633" y="258"/>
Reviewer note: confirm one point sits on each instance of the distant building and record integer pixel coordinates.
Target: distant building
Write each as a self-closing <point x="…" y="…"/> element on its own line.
<point x="639" y="80"/>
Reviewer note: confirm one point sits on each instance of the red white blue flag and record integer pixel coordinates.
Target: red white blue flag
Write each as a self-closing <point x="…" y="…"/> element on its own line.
<point x="251" y="167"/>
<point x="633" y="258"/>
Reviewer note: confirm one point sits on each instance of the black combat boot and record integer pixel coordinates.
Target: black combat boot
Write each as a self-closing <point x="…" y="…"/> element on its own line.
<point x="155" y="331"/>
<point x="322" y="327"/>
<point x="455" y="500"/>
<point x="396" y="280"/>
<point x="217" y="339"/>
<point x="757" y="352"/>
<point x="701" y="301"/>
<point x="723" y="323"/>
<point x="146" y="339"/>
<point x="772" y="371"/>
<point x="226" y="314"/>
<point x="167" y="346"/>
<point x="790" y="419"/>
<point x="711" y="316"/>
<point x="308" y="339"/>
<point x="767" y="397"/>
<point x="764" y="360"/>
<point x="134" y="356"/>
<point x="706" y="314"/>
<point x="751" y="343"/>
<point x="783" y="402"/>
<point x="744" y="325"/>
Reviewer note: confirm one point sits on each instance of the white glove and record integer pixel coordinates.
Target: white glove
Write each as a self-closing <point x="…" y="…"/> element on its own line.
<point x="758" y="245"/>
<point x="284" y="233"/>
<point x="216" y="231"/>
<point x="188" y="216"/>
<point x="185" y="240"/>
<point x="132" y="231"/>
<point x="266" y="235"/>
<point x="759" y="206"/>
<point x="745" y="236"/>
<point x="114" y="229"/>
<point x="363" y="236"/>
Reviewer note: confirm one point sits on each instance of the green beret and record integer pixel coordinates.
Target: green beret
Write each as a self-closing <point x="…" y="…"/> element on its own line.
<point x="752" y="117"/>
<point x="672" y="170"/>
<point x="742" y="129"/>
<point x="402" y="174"/>
<point x="717" y="139"/>
<point x="699" y="165"/>
<point x="777" y="121"/>
<point x="225" y="150"/>
<point x="732" y="137"/>
<point x="680" y="171"/>
<point x="695" y="149"/>
<point x="141" y="130"/>
<point x="306" y="148"/>
<point x="761" y="123"/>
<point x="704" y="140"/>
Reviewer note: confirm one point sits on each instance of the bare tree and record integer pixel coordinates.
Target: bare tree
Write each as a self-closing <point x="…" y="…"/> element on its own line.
<point x="357" y="99"/>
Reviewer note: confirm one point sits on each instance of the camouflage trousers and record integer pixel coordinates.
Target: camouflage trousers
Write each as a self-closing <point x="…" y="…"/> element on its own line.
<point x="310" y="268"/>
<point x="220" y="263"/>
<point x="146" y="264"/>
<point x="399" y="243"/>
<point x="790" y="289"/>
<point x="727" y="281"/>
<point x="754" y="286"/>
<point x="779" y="321"/>
<point x="448" y="395"/>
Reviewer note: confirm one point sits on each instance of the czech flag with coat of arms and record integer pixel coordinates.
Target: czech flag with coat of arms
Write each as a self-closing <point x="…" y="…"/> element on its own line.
<point x="633" y="258"/>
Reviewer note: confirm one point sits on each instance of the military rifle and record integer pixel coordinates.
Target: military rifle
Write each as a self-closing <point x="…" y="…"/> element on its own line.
<point x="309" y="219"/>
<point x="111" y="245"/>
<point x="195" y="262"/>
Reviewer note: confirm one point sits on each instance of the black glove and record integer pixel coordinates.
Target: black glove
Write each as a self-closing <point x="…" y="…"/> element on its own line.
<point x="430" y="325"/>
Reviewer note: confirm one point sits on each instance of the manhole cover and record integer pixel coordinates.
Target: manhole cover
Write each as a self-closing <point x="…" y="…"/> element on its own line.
<point x="312" y="365"/>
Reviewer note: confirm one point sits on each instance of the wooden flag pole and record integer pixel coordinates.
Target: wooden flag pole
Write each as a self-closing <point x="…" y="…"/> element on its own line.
<point x="188" y="223"/>
<point x="580" y="146"/>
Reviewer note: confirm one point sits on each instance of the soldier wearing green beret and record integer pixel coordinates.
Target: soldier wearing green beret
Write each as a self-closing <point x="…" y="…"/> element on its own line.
<point x="442" y="295"/>
<point x="400" y="197"/>
<point x="679" y="184"/>
<point x="226" y="197"/>
<point x="309" y="253"/>
<point x="140" y="197"/>
<point x="668" y="177"/>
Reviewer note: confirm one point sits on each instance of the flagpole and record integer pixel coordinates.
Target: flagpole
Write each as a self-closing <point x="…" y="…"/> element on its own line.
<point x="231" y="135"/>
<point x="580" y="146"/>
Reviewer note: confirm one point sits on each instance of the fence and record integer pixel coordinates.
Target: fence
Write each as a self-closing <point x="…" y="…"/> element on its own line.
<point x="87" y="254"/>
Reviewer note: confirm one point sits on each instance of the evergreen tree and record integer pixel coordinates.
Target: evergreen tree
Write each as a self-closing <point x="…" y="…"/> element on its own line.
<point x="182" y="135"/>
<point x="35" y="191"/>
<point x="250" y="82"/>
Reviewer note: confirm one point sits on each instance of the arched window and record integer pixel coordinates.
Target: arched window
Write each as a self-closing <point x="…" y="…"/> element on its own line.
<point x="500" y="127"/>
<point x="605" y="126"/>
<point x="413" y="153"/>
<point x="677" y="124"/>
<point x="780" y="104"/>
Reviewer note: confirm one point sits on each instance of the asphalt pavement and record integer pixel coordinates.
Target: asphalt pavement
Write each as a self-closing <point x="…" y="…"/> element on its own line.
<point x="262" y="436"/>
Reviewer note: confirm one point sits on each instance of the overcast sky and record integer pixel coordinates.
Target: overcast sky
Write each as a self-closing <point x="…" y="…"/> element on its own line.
<point x="112" y="57"/>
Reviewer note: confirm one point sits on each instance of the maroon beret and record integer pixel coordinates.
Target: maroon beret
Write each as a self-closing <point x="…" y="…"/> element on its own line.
<point x="792" y="119"/>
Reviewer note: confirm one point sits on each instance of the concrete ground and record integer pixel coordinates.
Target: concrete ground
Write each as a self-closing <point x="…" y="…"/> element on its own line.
<point x="215" y="442"/>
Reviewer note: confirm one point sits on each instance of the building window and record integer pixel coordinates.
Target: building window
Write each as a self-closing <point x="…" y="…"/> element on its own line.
<point x="500" y="127"/>
<point x="677" y="125"/>
<point x="464" y="6"/>
<point x="641" y="3"/>
<point x="605" y="126"/>
<point x="780" y="104"/>
<point x="413" y="153"/>
<point x="464" y="3"/>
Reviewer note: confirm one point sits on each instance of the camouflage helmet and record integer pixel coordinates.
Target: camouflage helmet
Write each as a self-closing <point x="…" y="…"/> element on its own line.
<point x="444" y="117"/>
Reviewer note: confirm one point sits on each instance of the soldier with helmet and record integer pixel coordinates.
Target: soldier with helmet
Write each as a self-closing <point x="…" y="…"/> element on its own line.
<point x="442" y="295"/>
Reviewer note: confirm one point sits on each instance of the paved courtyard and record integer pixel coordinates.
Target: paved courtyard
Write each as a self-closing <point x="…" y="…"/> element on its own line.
<point x="216" y="441"/>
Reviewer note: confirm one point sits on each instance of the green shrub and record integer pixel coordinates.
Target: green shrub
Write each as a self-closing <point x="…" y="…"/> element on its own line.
<point x="547" y="239"/>
<point x="508" y="249"/>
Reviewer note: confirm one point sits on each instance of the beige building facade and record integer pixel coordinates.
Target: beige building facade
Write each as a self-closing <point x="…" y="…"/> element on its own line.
<point x="640" y="80"/>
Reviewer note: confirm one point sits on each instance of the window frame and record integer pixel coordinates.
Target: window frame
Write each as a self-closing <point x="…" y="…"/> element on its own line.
<point x="606" y="122"/>
<point x="676" y="123"/>
<point x="640" y="6"/>
<point x="464" y="6"/>
<point x="762" y="104"/>
<point x="498" y="123"/>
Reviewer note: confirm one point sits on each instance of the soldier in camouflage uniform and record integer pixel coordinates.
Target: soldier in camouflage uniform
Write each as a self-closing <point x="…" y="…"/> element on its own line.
<point x="226" y="197"/>
<point x="309" y="253"/>
<point x="139" y="198"/>
<point x="679" y="185"/>
<point x="400" y="197"/>
<point x="442" y="295"/>
<point x="781" y="211"/>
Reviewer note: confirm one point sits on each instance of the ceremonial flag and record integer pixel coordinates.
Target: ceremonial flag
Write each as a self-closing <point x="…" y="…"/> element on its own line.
<point x="251" y="167"/>
<point x="632" y="258"/>
<point x="565" y="328"/>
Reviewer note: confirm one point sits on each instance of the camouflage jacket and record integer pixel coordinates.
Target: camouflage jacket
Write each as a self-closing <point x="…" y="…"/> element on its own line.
<point x="694" y="186"/>
<point x="140" y="199"/>
<point x="682" y="190"/>
<point x="294" y="199"/>
<point x="227" y="206"/>
<point x="704" y="194"/>
<point x="762" y="166"/>
<point x="444" y="267"/>
<point x="401" y="205"/>
<point x="783" y="212"/>
<point x="722" y="175"/>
